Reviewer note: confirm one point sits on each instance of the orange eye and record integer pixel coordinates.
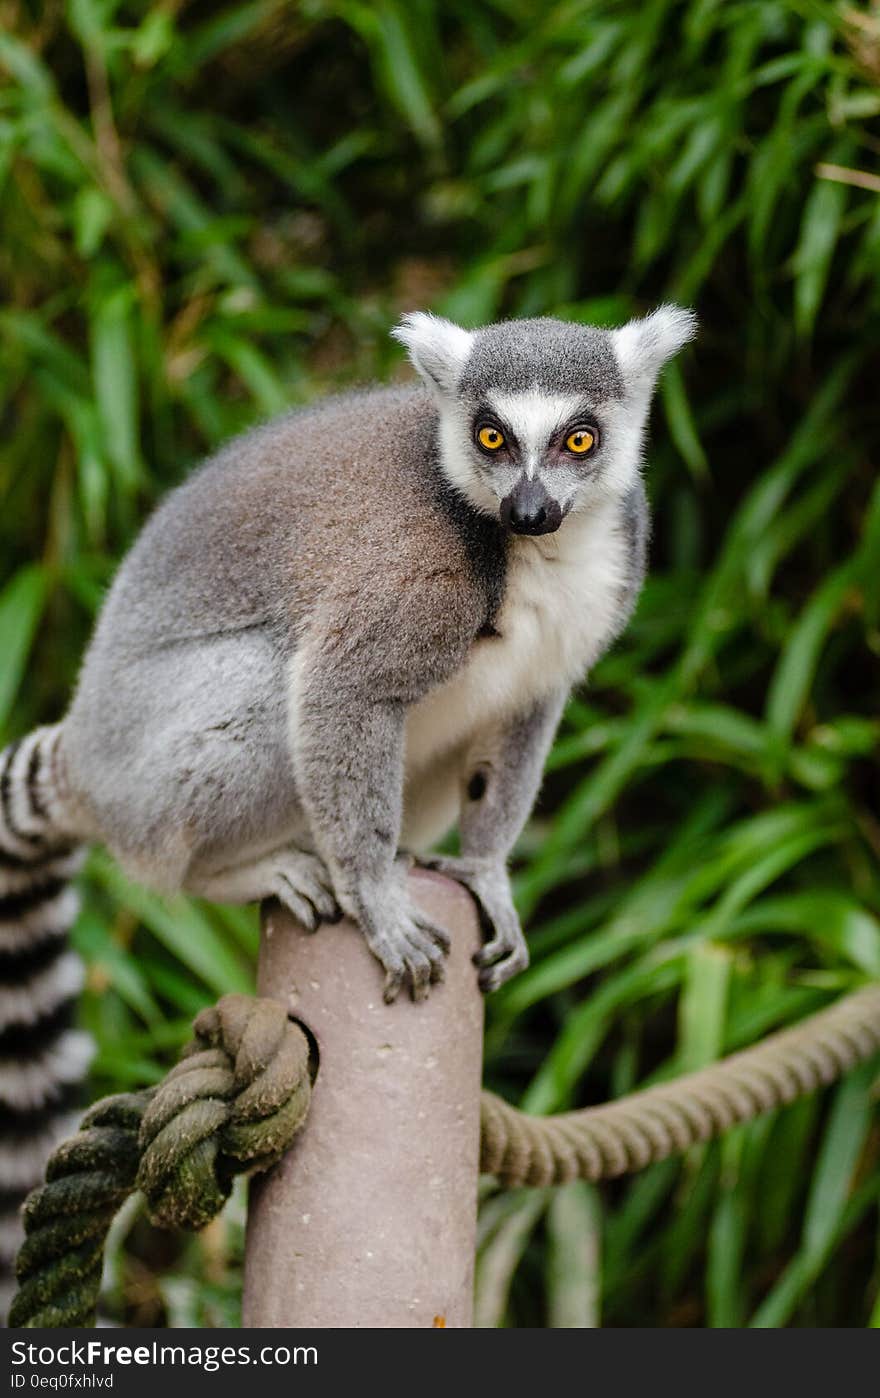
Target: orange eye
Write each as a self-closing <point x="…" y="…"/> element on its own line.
<point x="490" y="438"/>
<point x="580" y="441"/>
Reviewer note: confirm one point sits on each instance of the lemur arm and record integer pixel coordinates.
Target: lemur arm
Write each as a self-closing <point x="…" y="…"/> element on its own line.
<point x="366" y="658"/>
<point x="500" y="784"/>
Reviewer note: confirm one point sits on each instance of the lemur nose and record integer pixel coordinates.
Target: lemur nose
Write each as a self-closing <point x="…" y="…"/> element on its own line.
<point x="530" y="509"/>
<point x="525" y="521"/>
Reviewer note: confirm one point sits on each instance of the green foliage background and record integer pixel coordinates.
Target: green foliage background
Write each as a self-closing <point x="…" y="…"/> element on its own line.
<point x="210" y="213"/>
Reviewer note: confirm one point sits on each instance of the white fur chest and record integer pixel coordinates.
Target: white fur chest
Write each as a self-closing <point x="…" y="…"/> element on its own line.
<point x="561" y="605"/>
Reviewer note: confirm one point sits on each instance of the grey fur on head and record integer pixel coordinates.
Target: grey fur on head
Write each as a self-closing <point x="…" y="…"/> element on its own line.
<point x="554" y="355"/>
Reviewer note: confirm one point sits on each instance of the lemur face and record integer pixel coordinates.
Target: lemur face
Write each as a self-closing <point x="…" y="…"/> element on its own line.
<point x="535" y="452"/>
<point x="542" y="418"/>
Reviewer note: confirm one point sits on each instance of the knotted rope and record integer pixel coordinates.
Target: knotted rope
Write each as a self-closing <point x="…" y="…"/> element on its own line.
<point x="241" y="1092"/>
<point x="232" y="1105"/>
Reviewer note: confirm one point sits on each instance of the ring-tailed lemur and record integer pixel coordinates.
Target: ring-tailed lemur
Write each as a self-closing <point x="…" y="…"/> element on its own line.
<point x="351" y="627"/>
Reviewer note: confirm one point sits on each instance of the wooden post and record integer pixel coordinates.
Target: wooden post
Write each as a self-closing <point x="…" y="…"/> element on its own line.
<point x="370" y="1220"/>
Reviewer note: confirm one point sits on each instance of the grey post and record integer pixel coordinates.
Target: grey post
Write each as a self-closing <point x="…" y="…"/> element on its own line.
<point x="370" y="1220"/>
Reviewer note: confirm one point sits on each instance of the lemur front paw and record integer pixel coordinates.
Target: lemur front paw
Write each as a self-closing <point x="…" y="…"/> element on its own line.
<point x="302" y="883"/>
<point x="408" y="945"/>
<point x="505" y="953"/>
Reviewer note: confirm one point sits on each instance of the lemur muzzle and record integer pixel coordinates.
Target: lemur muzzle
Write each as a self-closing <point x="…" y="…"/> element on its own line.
<point x="530" y="509"/>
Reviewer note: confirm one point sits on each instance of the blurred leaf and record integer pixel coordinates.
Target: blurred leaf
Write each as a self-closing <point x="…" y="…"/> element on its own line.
<point x="116" y="392"/>
<point x="794" y="673"/>
<point x="682" y="428"/>
<point x="183" y="929"/>
<point x="825" y="1214"/>
<point x="21" y="606"/>
<point x="702" y="1007"/>
<point x="515" y="1216"/>
<point x="573" y="1257"/>
<point x="819" y="233"/>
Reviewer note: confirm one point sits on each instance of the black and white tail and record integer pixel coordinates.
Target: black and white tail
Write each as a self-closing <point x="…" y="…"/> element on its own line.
<point x="43" y="1058"/>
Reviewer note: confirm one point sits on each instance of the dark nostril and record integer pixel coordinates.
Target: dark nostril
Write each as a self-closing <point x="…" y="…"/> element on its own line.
<point x="531" y="518"/>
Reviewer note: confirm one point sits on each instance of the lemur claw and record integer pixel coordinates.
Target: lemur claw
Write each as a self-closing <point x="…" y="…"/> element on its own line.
<point x="419" y="963"/>
<point x="410" y="948"/>
<point x="506" y="953"/>
<point x="511" y="960"/>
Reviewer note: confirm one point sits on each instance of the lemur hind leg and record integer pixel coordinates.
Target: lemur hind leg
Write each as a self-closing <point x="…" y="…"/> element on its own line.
<point x="499" y="784"/>
<point x="298" y="880"/>
<point x="505" y="951"/>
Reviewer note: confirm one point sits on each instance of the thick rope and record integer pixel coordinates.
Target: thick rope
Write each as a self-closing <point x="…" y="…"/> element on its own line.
<point x="618" y="1137"/>
<point x="66" y="1220"/>
<point x="236" y="1100"/>
<point x="232" y="1105"/>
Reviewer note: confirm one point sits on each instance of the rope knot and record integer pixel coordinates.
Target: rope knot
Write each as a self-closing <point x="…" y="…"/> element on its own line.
<point x="231" y="1106"/>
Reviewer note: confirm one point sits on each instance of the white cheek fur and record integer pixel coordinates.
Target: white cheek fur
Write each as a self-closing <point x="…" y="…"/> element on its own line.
<point x="457" y="464"/>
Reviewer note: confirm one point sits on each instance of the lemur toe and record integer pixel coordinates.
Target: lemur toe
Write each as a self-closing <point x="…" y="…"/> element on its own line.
<point x="491" y="977"/>
<point x="393" y="954"/>
<point x="303" y="885"/>
<point x="495" y="950"/>
<point x="419" y="972"/>
<point x="436" y="957"/>
<point x="428" y="948"/>
<point x="325" y="905"/>
<point x="414" y="958"/>
<point x="500" y="960"/>
<point x="299" y="906"/>
<point x="393" y="983"/>
<point x="440" y="939"/>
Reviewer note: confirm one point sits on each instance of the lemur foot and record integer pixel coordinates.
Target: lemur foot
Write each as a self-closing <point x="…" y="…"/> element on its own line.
<point x="298" y="880"/>
<point x="505" y="953"/>
<point x="302" y="883"/>
<point x="410" y="947"/>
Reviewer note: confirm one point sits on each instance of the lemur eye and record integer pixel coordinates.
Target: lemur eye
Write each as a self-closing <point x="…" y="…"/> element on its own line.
<point x="580" y="441"/>
<point x="490" y="438"/>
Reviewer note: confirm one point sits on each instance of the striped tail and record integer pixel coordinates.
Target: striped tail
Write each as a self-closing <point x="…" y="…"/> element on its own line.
<point x="43" y="1058"/>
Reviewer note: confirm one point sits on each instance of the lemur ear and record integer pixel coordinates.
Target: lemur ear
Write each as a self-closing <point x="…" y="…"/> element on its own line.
<point x="437" y="348"/>
<point x="643" y="346"/>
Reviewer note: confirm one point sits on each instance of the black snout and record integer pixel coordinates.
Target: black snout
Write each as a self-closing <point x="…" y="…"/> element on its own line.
<point x="530" y="509"/>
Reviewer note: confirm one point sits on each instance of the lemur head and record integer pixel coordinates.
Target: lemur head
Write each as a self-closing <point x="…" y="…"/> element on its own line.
<point x="542" y="417"/>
